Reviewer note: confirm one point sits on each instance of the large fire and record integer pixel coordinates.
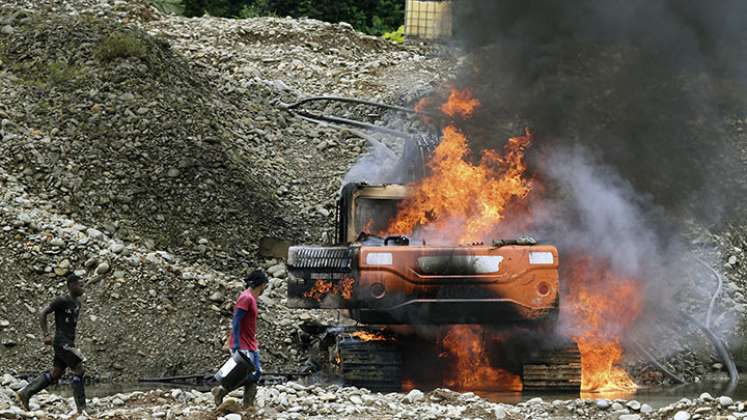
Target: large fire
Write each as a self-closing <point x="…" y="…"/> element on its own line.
<point x="599" y="307"/>
<point x="323" y="288"/>
<point x="465" y="202"/>
<point x="460" y="199"/>
<point x="464" y="344"/>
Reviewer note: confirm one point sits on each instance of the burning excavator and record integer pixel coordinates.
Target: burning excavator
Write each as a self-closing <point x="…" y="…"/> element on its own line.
<point x="436" y="302"/>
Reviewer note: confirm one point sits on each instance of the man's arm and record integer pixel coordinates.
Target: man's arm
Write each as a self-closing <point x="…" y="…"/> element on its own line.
<point x="43" y="322"/>
<point x="238" y="315"/>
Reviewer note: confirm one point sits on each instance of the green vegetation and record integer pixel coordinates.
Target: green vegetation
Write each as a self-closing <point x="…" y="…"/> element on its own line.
<point x="174" y="7"/>
<point x="121" y="45"/>
<point x="60" y="72"/>
<point x="397" y="36"/>
<point x="375" y="17"/>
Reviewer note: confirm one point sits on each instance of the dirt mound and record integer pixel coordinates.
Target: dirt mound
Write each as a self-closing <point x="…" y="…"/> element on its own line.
<point x="117" y="130"/>
<point x="141" y="157"/>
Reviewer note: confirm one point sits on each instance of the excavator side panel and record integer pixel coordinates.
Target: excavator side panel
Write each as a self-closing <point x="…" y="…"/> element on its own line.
<point x="422" y="284"/>
<point x="457" y="285"/>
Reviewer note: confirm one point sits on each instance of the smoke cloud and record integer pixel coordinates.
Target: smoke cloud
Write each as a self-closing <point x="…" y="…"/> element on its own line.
<point x="650" y="85"/>
<point x="633" y="105"/>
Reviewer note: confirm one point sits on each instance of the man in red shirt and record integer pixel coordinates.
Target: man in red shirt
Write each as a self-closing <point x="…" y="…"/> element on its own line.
<point x="244" y="334"/>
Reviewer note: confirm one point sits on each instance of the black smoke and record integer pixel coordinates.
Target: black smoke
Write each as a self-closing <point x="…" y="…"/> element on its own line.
<point x="652" y="87"/>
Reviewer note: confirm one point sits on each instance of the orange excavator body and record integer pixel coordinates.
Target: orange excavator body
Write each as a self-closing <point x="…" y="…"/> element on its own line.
<point x="390" y="281"/>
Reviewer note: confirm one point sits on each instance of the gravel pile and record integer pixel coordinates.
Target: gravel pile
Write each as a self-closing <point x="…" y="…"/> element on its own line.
<point x="145" y="312"/>
<point x="150" y="152"/>
<point x="296" y="401"/>
<point x="147" y="151"/>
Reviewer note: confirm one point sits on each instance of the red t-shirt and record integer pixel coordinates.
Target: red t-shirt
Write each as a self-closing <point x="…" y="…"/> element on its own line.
<point x="248" y="326"/>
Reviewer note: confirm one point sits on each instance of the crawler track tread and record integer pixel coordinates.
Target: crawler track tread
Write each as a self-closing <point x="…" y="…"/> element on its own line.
<point x="554" y="369"/>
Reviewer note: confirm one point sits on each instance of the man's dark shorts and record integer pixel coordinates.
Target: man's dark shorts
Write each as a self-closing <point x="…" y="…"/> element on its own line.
<point x="66" y="357"/>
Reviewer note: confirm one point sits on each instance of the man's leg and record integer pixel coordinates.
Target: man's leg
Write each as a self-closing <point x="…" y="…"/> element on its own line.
<point x="250" y="389"/>
<point x="79" y="390"/>
<point x="37" y="385"/>
<point x="218" y="394"/>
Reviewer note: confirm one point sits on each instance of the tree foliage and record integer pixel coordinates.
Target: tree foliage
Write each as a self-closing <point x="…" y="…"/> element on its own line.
<point x="371" y="16"/>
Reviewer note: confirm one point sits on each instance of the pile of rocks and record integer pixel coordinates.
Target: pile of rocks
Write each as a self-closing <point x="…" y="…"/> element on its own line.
<point x="150" y="151"/>
<point x="135" y="148"/>
<point x="296" y="401"/>
<point x="131" y="292"/>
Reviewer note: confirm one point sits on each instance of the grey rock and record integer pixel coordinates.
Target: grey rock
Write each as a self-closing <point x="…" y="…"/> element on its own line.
<point x="63" y="268"/>
<point x="7" y="30"/>
<point x="535" y="401"/>
<point x="4" y="323"/>
<point x="102" y="268"/>
<point x="682" y="415"/>
<point x="629" y="417"/>
<point x="633" y="405"/>
<point x="500" y="413"/>
<point x="646" y="409"/>
<point x="725" y="401"/>
<point x="415" y="396"/>
<point x="116" y="247"/>
<point x="91" y="263"/>
<point x="275" y="268"/>
<point x="603" y="404"/>
<point x="173" y="173"/>
<point x="94" y="234"/>
<point x="217" y="297"/>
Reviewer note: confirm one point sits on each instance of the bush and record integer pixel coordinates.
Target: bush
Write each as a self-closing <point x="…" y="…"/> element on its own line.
<point x="256" y="9"/>
<point x="60" y="72"/>
<point x="121" y="45"/>
<point x="173" y="7"/>
<point x="397" y="36"/>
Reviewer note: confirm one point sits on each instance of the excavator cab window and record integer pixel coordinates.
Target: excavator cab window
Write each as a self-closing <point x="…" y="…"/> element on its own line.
<point x="366" y="208"/>
<point x="372" y="215"/>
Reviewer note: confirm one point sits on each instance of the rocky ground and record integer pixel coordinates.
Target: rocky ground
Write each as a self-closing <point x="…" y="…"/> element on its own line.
<point x="295" y="401"/>
<point x="149" y="153"/>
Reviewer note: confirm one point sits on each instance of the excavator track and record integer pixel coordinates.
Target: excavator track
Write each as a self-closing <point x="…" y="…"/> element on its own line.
<point x="367" y="359"/>
<point x="553" y="370"/>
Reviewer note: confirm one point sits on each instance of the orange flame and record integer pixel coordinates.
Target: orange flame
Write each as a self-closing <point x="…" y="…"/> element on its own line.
<point x="468" y="200"/>
<point x="320" y="289"/>
<point x="407" y="384"/>
<point x="461" y="200"/>
<point x="460" y="103"/>
<point x="368" y="336"/>
<point x="324" y="287"/>
<point x="601" y="305"/>
<point x="464" y="202"/>
<point x="345" y="287"/>
<point x="473" y="370"/>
